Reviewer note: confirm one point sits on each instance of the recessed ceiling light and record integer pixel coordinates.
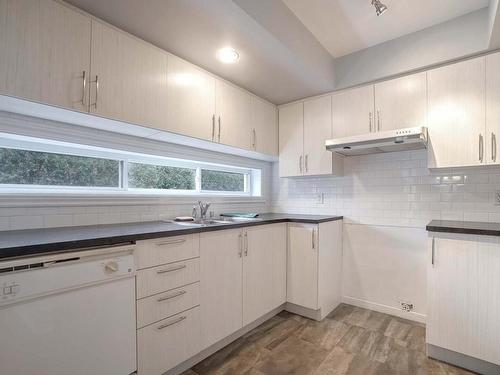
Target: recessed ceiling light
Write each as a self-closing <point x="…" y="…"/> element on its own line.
<point x="228" y="55"/>
<point x="380" y="8"/>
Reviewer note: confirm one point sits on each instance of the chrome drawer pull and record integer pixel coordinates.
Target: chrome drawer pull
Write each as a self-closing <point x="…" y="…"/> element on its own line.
<point x="161" y="299"/>
<point x="171" y="242"/>
<point x="171" y="269"/>
<point x="178" y="320"/>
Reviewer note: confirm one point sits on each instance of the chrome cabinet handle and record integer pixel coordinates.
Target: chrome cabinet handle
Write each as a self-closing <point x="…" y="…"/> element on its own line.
<point x="313" y="239"/>
<point x="254" y="140"/>
<point x="306" y="162"/>
<point x="481" y="148"/>
<point x="171" y="269"/>
<point x="84" y="86"/>
<point x="493" y="147"/>
<point x="178" y="320"/>
<point x="370" y="121"/>
<point x="171" y="242"/>
<point x="213" y="127"/>
<point x="300" y="164"/>
<point x="219" y="129"/>
<point x="432" y="252"/>
<point x="246" y="243"/>
<point x="96" y="90"/>
<point x="165" y="298"/>
<point x="240" y="245"/>
<point x="378" y="119"/>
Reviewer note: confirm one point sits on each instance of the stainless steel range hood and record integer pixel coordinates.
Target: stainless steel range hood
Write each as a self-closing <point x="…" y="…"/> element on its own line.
<point x="385" y="141"/>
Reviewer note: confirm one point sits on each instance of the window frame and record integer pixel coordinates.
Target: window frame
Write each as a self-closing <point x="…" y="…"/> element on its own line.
<point x="124" y="158"/>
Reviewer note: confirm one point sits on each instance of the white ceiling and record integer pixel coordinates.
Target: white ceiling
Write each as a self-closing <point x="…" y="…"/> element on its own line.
<point x="346" y="26"/>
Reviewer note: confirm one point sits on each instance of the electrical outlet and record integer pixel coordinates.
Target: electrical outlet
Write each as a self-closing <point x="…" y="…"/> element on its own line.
<point x="406" y="306"/>
<point x="497" y="197"/>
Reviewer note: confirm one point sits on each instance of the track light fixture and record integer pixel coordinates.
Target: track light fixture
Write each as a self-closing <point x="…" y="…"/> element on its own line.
<point x="380" y="8"/>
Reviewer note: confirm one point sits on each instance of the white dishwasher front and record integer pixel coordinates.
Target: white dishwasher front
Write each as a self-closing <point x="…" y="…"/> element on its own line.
<point x="68" y="315"/>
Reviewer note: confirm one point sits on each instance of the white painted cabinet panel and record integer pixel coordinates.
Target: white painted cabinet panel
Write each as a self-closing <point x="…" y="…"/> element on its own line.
<point x="302" y="265"/>
<point x="265" y="127"/>
<point x="317" y="129"/>
<point x="456" y="97"/>
<point x="401" y="103"/>
<point x="264" y="270"/>
<point x="220" y="284"/>
<point x="353" y="112"/>
<point x="234" y="115"/>
<point x="45" y="48"/>
<point x="191" y="100"/>
<point x="464" y="295"/>
<point x="291" y="136"/>
<point x="492" y="108"/>
<point x="132" y="78"/>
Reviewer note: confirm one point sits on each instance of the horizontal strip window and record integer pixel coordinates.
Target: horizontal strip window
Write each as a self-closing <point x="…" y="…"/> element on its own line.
<point x="30" y="165"/>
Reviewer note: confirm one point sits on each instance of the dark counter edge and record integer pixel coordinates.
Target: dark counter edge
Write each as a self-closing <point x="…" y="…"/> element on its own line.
<point x="86" y="244"/>
<point x="464" y="227"/>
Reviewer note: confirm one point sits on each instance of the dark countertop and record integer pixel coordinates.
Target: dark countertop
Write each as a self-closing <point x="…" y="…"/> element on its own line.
<point x="21" y="243"/>
<point x="464" y="227"/>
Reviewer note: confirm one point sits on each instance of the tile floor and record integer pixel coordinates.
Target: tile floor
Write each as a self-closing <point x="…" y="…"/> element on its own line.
<point x="351" y="340"/>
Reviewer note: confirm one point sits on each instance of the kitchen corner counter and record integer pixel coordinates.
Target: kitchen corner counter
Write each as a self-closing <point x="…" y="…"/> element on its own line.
<point x="464" y="227"/>
<point x="30" y="242"/>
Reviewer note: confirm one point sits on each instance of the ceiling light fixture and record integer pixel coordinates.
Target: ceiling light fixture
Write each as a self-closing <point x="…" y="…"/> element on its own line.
<point x="228" y="55"/>
<point x="380" y="8"/>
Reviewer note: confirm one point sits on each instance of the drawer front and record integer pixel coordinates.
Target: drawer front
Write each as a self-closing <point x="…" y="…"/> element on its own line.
<point x="161" y="306"/>
<point x="165" y="344"/>
<point x="169" y="276"/>
<point x="152" y="253"/>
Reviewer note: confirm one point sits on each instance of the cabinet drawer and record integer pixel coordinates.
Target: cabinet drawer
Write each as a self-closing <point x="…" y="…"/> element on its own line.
<point x="152" y="253"/>
<point x="165" y="344"/>
<point x="162" y="278"/>
<point x="160" y="306"/>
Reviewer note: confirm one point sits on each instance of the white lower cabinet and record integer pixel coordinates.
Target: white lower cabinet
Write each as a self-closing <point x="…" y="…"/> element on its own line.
<point x="464" y="295"/>
<point x="314" y="262"/>
<point x="167" y="343"/>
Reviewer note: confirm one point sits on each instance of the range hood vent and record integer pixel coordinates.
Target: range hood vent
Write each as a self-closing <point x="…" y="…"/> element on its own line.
<point x="375" y="143"/>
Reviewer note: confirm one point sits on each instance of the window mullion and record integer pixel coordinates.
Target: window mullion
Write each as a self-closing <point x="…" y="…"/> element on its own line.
<point x="124" y="172"/>
<point x="198" y="180"/>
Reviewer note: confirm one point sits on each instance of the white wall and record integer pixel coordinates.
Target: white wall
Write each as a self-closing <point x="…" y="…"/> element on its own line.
<point x="450" y="40"/>
<point x="386" y="200"/>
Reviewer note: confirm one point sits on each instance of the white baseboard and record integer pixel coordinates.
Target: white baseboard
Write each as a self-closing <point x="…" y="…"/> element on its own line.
<point x="414" y="316"/>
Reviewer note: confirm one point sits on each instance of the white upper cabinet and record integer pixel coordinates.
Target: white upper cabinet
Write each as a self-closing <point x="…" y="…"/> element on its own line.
<point x="45" y="52"/>
<point x="492" y="108"/>
<point x="353" y="112"/>
<point x="191" y="100"/>
<point x="401" y="103"/>
<point x="317" y="129"/>
<point x="129" y="78"/>
<point x="456" y="97"/>
<point x="234" y="114"/>
<point x="265" y="127"/>
<point x="291" y="136"/>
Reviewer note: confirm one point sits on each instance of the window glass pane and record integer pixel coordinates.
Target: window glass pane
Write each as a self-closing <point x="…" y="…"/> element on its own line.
<point x="43" y="168"/>
<point x="222" y="181"/>
<point x="147" y="176"/>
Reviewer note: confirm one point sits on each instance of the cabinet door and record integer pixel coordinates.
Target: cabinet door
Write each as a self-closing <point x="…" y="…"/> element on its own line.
<point x="353" y="112"/>
<point x="234" y="111"/>
<point x="456" y="95"/>
<point x="264" y="270"/>
<point x="220" y="284"/>
<point x="291" y="136"/>
<point x="132" y="78"/>
<point x="492" y="108"/>
<point x="401" y="103"/>
<point x="452" y="311"/>
<point x="302" y="265"/>
<point x="265" y="127"/>
<point x="317" y="129"/>
<point x="45" y="50"/>
<point x="191" y="100"/>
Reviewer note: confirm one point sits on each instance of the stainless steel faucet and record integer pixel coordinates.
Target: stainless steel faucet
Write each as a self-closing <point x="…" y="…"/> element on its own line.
<point x="203" y="209"/>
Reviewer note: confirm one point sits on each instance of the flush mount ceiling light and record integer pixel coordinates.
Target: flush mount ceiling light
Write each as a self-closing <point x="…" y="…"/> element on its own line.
<point x="228" y="55"/>
<point x="379" y="7"/>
